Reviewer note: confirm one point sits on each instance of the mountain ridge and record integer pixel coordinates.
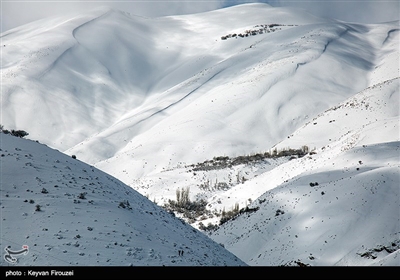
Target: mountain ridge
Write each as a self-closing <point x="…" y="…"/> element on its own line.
<point x="147" y="99"/>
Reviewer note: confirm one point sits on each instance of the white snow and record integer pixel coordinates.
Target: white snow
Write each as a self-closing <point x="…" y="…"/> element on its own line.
<point x="88" y="218"/>
<point x="147" y="100"/>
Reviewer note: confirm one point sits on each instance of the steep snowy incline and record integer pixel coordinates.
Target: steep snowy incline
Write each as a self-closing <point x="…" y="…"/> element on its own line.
<point x="88" y="70"/>
<point x="243" y="104"/>
<point x="344" y="212"/>
<point x="337" y="205"/>
<point x="166" y="104"/>
<point x="115" y="88"/>
<point x="71" y="214"/>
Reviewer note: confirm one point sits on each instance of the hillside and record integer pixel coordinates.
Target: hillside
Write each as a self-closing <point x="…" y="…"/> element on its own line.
<point x="126" y="107"/>
<point x="71" y="214"/>
<point x="335" y="206"/>
<point x="228" y="118"/>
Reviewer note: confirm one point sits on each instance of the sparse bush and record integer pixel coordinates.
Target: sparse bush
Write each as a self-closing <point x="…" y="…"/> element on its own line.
<point x="124" y="204"/>
<point x="248" y="210"/>
<point x="38" y="208"/>
<point x="262" y="200"/>
<point x="19" y="133"/>
<point x="209" y="227"/>
<point x="226" y="216"/>
<point x="182" y="197"/>
<point x="44" y="190"/>
<point x="305" y="149"/>
<point x="190" y="209"/>
<point x="279" y="212"/>
<point x="13" y="132"/>
<point x="82" y="195"/>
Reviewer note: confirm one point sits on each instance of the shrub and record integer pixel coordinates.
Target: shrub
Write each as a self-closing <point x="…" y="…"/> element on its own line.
<point x="38" y="208"/>
<point x="226" y="216"/>
<point x="13" y="132"/>
<point x="82" y="195"/>
<point x="124" y="204"/>
<point x="182" y="197"/>
<point x="279" y="212"/>
<point x="190" y="209"/>
<point x="19" y="133"/>
<point x="209" y="227"/>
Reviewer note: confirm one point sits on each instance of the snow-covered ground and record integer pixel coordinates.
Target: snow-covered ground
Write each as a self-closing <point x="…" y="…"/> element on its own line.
<point x="339" y="206"/>
<point x="69" y="213"/>
<point x="195" y="102"/>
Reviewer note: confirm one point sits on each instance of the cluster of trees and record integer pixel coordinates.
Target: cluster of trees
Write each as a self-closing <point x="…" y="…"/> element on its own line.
<point x="235" y="212"/>
<point x="226" y="216"/>
<point x="225" y="161"/>
<point x="17" y="133"/>
<point x="191" y="210"/>
<point x="258" y="29"/>
<point x="209" y="227"/>
<point x="229" y="215"/>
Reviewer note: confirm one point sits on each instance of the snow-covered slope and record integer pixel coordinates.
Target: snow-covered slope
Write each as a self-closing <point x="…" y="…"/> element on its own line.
<point x="88" y="218"/>
<point x="154" y="92"/>
<point x="241" y="107"/>
<point x="336" y="206"/>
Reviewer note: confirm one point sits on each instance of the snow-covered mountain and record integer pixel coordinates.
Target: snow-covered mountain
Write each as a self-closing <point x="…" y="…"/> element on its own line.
<point x="69" y="213"/>
<point x="122" y="88"/>
<point x="241" y="109"/>
<point x="338" y="205"/>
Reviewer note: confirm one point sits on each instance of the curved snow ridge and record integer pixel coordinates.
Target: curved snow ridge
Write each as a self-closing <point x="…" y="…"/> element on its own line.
<point x="390" y="36"/>
<point x="78" y="51"/>
<point x="52" y="32"/>
<point x="103" y="14"/>
<point x="151" y="112"/>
